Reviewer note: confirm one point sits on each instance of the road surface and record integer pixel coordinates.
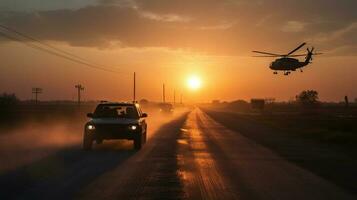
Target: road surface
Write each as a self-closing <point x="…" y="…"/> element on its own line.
<point x="191" y="157"/>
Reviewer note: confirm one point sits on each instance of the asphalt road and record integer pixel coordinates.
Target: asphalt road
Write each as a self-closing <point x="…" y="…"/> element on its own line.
<point x="190" y="157"/>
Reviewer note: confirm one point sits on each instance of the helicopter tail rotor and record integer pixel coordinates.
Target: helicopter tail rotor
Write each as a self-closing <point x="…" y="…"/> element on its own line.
<point x="311" y="53"/>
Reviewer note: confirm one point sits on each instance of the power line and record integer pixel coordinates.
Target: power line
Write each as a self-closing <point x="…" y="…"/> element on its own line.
<point x="55" y="54"/>
<point x="59" y="52"/>
<point x="48" y="45"/>
<point x="39" y="41"/>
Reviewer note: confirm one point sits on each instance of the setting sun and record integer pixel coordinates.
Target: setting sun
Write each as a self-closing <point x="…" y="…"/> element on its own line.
<point x="194" y="82"/>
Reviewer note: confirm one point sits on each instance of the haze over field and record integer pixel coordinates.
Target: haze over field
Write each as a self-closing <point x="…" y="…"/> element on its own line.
<point x="31" y="141"/>
<point x="170" y="41"/>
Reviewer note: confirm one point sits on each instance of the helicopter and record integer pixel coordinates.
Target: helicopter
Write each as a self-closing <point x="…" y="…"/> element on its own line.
<point x="286" y="62"/>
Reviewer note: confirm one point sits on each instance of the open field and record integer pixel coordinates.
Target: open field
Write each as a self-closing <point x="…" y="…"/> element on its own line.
<point x="23" y="115"/>
<point x="332" y="125"/>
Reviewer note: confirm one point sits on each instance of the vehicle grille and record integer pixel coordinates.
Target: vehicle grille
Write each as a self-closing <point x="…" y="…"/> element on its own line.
<point x="111" y="127"/>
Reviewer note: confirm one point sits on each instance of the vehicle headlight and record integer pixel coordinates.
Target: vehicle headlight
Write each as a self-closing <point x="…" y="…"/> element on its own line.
<point x="133" y="127"/>
<point x="90" y="127"/>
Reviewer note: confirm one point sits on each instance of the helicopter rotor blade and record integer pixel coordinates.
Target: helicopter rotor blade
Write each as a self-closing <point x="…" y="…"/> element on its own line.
<point x="301" y="55"/>
<point x="266" y="53"/>
<point x="297" y="55"/>
<point x="297" y="48"/>
<point x="266" y="56"/>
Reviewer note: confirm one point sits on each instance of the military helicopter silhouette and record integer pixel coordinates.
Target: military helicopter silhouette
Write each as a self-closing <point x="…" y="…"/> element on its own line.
<point x="286" y="63"/>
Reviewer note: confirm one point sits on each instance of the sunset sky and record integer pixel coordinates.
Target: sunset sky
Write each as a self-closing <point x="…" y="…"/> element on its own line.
<point x="168" y="41"/>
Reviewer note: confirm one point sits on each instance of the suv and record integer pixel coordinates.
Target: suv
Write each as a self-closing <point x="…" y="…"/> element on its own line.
<point x="166" y="108"/>
<point x="115" y="121"/>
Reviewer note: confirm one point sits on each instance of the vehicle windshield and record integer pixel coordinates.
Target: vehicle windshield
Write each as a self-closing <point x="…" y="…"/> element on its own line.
<point x="116" y="111"/>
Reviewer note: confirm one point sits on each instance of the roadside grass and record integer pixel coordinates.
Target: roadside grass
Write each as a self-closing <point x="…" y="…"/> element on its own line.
<point x="334" y="130"/>
<point x="327" y="129"/>
<point x="324" y="144"/>
<point x="331" y="125"/>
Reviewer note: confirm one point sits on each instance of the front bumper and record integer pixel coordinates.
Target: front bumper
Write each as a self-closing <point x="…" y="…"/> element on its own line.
<point x="113" y="131"/>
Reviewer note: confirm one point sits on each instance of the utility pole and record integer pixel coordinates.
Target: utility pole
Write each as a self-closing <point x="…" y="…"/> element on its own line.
<point x="36" y="91"/>
<point x="79" y="89"/>
<point x="163" y="93"/>
<point x="174" y="96"/>
<point x="134" y="92"/>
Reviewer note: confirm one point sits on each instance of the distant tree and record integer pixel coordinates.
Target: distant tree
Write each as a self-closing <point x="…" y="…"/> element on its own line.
<point x="346" y="101"/>
<point x="8" y="99"/>
<point x="258" y="104"/>
<point x="308" y="98"/>
<point x="240" y="102"/>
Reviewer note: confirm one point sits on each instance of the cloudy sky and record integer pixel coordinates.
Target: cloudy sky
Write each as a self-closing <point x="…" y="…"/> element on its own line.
<point x="168" y="40"/>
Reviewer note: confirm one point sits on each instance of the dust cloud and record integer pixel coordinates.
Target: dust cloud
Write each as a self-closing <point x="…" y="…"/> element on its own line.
<point x="32" y="141"/>
<point x="157" y="119"/>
